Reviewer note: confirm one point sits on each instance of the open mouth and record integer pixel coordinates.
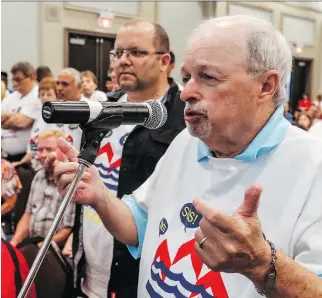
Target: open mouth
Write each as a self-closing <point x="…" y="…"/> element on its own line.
<point x="193" y="115"/>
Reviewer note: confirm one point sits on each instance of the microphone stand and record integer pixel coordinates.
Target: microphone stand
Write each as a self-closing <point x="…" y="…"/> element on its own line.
<point x="94" y="134"/>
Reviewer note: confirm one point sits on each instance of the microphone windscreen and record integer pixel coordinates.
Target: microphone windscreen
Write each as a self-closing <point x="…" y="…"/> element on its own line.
<point x="158" y="114"/>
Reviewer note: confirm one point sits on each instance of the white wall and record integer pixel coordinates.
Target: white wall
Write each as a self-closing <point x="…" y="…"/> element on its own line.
<point x="179" y="19"/>
<point x="19" y="33"/>
<point x="73" y="16"/>
<point x="128" y="8"/>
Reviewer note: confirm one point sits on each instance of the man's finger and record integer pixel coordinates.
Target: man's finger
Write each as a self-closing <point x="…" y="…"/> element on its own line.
<point x="219" y="219"/>
<point x="250" y="204"/>
<point x="62" y="168"/>
<point x="67" y="149"/>
<point x="51" y="160"/>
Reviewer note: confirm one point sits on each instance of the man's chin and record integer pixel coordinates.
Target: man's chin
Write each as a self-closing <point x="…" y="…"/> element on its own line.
<point x="128" y="86"/>
<point x="199" y="131"/>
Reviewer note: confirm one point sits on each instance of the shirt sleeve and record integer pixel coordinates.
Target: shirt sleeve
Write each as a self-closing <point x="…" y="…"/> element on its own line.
<point x="101" y="96"/>
<point x="69" y="216"/>
<point x="141" y="219"/>
<point x="138" y="202"/>
<point x="5" y="104"/>
<point x="308" y="230"/>
<point x="33" y="188"/>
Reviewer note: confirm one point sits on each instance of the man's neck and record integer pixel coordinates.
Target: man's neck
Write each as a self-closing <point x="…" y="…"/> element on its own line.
<point x="232" y="147"/>
<point x="77" y="97"/>
<point x="28" y="90"/>
<point x="154" y="92"/>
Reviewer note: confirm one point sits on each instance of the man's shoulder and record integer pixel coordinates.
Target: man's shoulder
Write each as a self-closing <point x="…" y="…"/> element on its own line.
<point x="114" y="96"/>
<point x="174" y="104"/>
<point x="302" y="145"/>
<point x="32" y="95"/>
<point x="183" y="143"/>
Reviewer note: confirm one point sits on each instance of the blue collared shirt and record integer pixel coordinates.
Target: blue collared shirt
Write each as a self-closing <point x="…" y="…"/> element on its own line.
<point x="270" y="136"/>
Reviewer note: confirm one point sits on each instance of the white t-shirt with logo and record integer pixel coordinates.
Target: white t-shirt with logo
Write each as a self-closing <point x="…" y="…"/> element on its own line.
<point x="290" y="211"/>
<point x="14" y="141"/>
<point x="98" y="242"/>
<point x="316" y="130"/>
<point x="73" y="134"/>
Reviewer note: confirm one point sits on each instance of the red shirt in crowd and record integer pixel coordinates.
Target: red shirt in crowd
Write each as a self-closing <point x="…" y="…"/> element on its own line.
<point x="304" y="104"/>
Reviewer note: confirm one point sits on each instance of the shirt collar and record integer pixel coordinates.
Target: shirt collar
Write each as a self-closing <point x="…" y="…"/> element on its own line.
<point x="269" y="137"/>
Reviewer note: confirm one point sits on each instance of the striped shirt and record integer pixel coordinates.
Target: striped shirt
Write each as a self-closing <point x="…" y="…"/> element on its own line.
<point x="43" y="204"/>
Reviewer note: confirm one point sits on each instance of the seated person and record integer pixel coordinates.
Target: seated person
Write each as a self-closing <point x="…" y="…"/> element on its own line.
<point x="10" y="187"/>
<point x="44" y="199"/>
<point x="304" y="103"/>
<point x="14" y="271"/>
<point x="3" y="90"/>
<point x="18" y="112"/>
<point x="305" y="121"/>
<point x="89" y="86"/>
<point x="47" y="92"/>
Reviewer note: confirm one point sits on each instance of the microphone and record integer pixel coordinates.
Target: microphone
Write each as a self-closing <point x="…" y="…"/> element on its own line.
<point x="151" y="114"/>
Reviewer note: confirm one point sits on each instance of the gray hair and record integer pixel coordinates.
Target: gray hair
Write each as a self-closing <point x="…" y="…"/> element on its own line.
<point x="25" y="67"/>
<point x="76" y="75"/>
<point x="267" y="47"/>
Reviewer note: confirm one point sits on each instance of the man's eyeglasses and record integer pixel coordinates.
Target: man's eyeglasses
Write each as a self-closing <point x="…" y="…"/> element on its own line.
<point x="18" y="79"/>
<point x="117" y="54"/>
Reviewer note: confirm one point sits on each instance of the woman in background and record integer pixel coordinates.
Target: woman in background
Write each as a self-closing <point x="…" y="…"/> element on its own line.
<point x="304" y="103"/>
<point x="3" y="90"/>
<point x="10" y="187"/>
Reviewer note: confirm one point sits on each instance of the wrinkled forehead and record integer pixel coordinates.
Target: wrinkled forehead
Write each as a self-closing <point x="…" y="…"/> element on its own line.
<point x="220" y="46"/>
<point x="47" y="142"/>
<point x="65" y="76"/>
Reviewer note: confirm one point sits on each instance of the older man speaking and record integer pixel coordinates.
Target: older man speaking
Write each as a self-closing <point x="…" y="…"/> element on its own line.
<point x="239" y="174"/>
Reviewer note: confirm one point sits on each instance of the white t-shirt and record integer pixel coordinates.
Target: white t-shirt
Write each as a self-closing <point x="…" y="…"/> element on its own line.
<point x="15" y="141"/>
<point x="73" y="134"/>
<point x="290" y="212"/>
<point x="98" y="242"/>
<point x="97" y="95"/>
<point x="316" y="129"/>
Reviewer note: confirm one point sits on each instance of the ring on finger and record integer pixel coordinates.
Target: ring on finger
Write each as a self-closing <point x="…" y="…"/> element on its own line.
<point x="202" y="242"/>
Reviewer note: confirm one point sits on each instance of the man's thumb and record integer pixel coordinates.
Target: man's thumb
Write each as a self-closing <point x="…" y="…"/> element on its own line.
<point x="67" y="149"/>
<point x="251" y="202"/>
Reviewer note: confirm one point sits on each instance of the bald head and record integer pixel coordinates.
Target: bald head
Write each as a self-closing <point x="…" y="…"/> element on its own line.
<point x="159" y="36"/>
<point x="253" y="42"/>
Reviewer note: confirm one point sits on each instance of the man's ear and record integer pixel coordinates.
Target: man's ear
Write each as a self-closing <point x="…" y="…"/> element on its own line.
<point x="165" y="61"/>
<point x="269" y="81"/>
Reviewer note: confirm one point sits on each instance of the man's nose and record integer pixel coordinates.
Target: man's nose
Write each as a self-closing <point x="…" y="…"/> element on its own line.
<point x="125" y="59"/>
<point x="190" y="90"/>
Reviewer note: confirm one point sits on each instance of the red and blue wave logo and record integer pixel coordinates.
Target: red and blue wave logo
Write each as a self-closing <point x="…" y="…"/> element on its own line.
<point x="164" y="281"/>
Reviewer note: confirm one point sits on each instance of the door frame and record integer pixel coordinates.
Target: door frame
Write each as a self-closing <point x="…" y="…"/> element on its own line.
<point x="308" y="83"/>
<point x="85" y="32"/>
